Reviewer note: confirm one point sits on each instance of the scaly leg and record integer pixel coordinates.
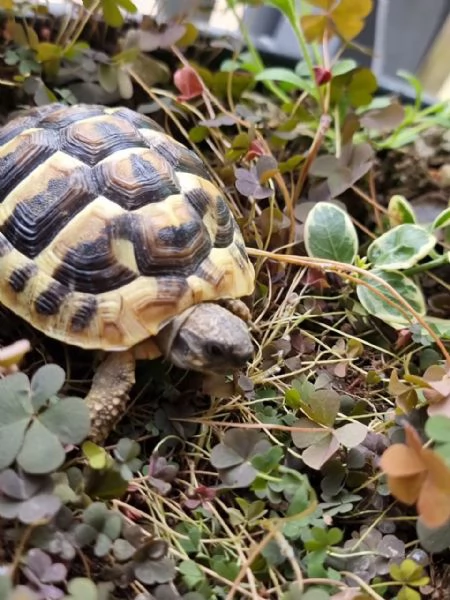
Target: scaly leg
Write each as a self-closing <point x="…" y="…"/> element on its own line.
<point x="109" y="393"/>
<point x="237" y="307"/>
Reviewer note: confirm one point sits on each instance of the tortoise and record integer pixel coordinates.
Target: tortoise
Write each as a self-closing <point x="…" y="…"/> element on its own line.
<point x="114" y="238"/>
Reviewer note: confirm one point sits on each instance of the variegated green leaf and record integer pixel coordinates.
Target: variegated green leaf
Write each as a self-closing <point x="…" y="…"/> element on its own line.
<point x="330" y="233"/>
<point x="378" y="307"/>
<point x="401" y="247"/>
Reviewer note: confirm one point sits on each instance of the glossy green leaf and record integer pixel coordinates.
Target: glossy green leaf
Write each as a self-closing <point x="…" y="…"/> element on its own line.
<point x="127" y="5"/>
<point x="111" y="13"/>
<point x="47" y="51"/>
<point x="330" y="233"/>
<point x="378" y="307"/>
<point x="198" y="134"/>
<point x="401" y="247"/>
<point x="407" y="593"/>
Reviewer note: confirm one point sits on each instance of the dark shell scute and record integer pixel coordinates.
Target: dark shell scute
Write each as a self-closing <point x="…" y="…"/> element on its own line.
<point x="93" y="140"/>
<point x="179" y="237"/>
<point x="20" y="277"/>
<point x="65" y="116"/>
<point x="134" y="182"/>
<point x="180" y="158"/>
<point x="91" y="267"/>
<point x="49" y="302"/>
<point x="83" y="316"/>
<point x="199" y="200"/>
<point x="140" y="121"/>
<point x="27" y="119"/>
<point x="167" y="252"/>
<point x="21" y="162"/>
<point x="36" y="221"/>
<point x="225" y="229"/>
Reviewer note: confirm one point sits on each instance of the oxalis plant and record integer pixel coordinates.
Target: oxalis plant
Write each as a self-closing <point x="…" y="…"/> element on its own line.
<point x="53" y="509"/>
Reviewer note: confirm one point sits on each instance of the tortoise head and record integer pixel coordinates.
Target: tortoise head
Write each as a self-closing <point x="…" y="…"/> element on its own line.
<point x="206" y="338"/>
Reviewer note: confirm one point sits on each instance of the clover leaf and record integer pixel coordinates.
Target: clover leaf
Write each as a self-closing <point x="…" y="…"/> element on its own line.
<point x="161" y="473"/>
<point x="42" y="573"/>
<point x="100" y="527"/>
<point x="126" y="453"/>
<point x="27" y="498"/>
<point x="145" y="557"/>
<point x="233" y="457"/>
<point x="35" y="423"/>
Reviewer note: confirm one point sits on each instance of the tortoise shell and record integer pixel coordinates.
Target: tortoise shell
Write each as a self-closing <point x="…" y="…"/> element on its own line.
<point x="109" y="227"/>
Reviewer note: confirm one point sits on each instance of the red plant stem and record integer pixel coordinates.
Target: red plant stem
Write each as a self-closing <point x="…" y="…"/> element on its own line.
<point x="325" y="122"/>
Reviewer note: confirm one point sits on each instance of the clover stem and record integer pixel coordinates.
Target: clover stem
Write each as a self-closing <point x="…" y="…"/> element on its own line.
<point x="431" y="264"/>
<point x="20" y="550"/>
<point x="268" y="477"/>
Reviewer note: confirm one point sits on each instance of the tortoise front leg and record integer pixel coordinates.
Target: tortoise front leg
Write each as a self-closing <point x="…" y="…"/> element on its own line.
<point x="109" y="393"/>
<point x="237" y="307"/>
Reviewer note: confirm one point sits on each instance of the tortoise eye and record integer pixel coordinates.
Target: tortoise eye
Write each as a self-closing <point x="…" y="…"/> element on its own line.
<point x="214" y="350"/>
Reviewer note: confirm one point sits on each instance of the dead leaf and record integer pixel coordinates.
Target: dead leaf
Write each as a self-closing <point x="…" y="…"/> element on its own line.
<point x="405" y="395"/>
<point x="418" y="475"/>
<point x="436" y="389"/>
<point x="340" y="370"/>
